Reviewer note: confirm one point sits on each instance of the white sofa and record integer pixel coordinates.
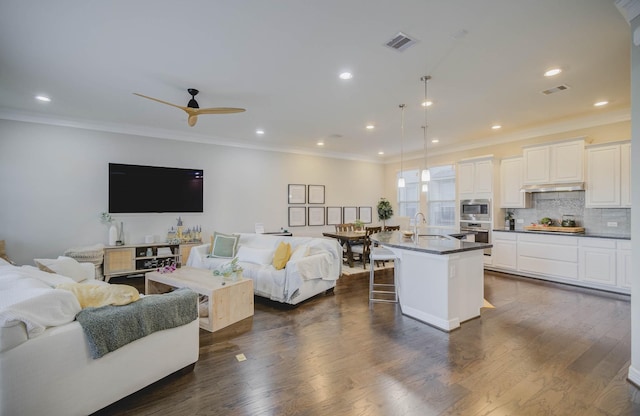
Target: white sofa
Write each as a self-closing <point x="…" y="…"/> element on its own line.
<point x="312" y="270"/>
<point x="45" y="362"/>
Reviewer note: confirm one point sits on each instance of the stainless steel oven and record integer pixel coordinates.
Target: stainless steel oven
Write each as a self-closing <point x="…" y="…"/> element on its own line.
<point x="475" y="210"/>
<point x="481" y="230"/>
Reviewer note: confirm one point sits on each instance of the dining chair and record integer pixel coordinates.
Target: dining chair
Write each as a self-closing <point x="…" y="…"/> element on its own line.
<point x="392" y="228"/>
<point x="344" y="227"/>
<point x="363" y="250"/>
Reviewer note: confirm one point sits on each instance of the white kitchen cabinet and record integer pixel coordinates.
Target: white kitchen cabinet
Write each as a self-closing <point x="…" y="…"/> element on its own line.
<point x="598" y="260"/>
<point x="608" y="176"/>
<point x="625" y="175"/>
<point x="548" y="255"/>
<point x="505" y="250"/>
<point x="623" y="264"/>
<point x="554" y="163"/>
<point x="603" y="177"/>
<point x="511" y="180"/>
<point x="475" y="179"/>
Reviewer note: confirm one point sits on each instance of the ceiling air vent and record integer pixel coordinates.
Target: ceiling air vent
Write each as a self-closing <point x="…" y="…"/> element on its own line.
<point x="401" y="41"/>
<point x="556" y="89"/>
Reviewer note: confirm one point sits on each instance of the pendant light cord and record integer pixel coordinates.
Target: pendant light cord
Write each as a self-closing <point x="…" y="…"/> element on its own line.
<point x="401" y="139"/>
<point x="426" y="79"/>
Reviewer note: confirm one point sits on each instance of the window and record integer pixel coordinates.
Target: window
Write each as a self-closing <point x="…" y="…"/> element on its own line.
<point x="441" y="198"/>
<point x="409" y="196"/>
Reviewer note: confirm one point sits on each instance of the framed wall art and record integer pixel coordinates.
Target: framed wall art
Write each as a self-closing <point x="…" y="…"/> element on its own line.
<point x="316" y="194"/>
<point x="349" y="214"/>
<point x="364" y="214"/>
<point x="334" y="215"/>
<point x="297" y="193"/>
<point x="316" y="216"/>
<point x="297" y="216"/>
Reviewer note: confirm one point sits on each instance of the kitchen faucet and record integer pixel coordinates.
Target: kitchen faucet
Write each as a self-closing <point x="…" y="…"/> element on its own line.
<point x="415" y="220"/>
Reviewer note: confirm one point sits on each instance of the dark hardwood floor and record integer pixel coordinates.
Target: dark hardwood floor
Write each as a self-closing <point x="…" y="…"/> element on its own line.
<point x="546" y="349"/>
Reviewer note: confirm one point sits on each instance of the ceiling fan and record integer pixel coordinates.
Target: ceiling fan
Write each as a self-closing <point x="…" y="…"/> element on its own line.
<point x="193" y="109"/>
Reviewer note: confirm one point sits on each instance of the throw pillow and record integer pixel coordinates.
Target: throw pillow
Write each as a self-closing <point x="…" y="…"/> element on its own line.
<point x="255" y="255"/>
<point x="282" y="255"/>
<point x="65" y="266"/>
<point x="3" y="252"/>
<point x="300" y="252"/>
<point x="224" y="245"/>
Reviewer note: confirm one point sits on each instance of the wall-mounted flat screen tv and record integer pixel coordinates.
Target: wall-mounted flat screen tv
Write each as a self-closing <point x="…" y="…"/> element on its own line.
<point x="136" y="188"/>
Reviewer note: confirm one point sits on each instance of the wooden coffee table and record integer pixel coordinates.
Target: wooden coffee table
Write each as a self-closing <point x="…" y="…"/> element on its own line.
<point x="229" y="301"/>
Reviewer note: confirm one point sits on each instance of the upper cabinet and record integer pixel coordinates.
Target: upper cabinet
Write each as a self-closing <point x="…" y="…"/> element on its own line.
<point x="511" y="177"/>
<point x="554" y="163"/>
<point x="608" y="176"/>
<point x="475" y="179"/>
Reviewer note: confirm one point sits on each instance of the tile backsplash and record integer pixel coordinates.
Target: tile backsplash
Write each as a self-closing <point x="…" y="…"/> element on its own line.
<point x="556" y="204"/>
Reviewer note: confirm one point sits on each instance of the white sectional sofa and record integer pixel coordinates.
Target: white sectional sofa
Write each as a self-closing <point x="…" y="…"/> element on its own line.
<point x="46" y="366"/>
<point x="314" y="267"/>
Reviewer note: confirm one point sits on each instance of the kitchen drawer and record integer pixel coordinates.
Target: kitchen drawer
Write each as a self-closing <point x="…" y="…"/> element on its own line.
<point x="548" y="239"/>
<point x="548" y="267"/>
<point x="598" y="243"/>
<point x="505" y="236"/>
<point x="624" y="245"/>
<point x="548" y="251"/>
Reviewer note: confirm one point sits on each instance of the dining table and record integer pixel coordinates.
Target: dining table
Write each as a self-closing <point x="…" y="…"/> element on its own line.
<point x="347" y="238"/>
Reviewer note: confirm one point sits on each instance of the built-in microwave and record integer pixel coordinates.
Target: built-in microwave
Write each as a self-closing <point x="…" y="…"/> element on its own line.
<point x="475" y="210"/>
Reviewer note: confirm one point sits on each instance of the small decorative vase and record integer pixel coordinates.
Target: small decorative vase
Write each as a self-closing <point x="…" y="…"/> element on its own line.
<point x="113" y="235"/>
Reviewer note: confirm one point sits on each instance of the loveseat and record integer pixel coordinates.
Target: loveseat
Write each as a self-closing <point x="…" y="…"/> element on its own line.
<point x="46" y="364"/>
<point x="314" y="266"/>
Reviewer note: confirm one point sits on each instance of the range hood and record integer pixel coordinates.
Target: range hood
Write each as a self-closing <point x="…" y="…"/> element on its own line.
<point x="554" y="187"/>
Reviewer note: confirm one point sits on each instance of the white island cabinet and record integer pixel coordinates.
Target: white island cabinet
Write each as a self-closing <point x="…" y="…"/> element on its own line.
<point x="440" y="279"/>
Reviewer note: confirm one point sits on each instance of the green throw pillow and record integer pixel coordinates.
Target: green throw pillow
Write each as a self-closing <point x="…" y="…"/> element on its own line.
<point x="224" y="245"/>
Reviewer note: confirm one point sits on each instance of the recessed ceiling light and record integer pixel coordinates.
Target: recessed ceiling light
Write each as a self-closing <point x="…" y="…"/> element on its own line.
<point x="496" y="126"/>
<point x="380" y="153"/>
<point x="346" y="75"/>
<point x="601" y="103"/>
<point x="43" y="98"/>
<point x="320" y="143"/>
<point x="427" y="103"/>
<point x="435" y="141"/>
<point x="260" y="131"/>
<point x="552" y="72"/>
<point x="370" y="127"/>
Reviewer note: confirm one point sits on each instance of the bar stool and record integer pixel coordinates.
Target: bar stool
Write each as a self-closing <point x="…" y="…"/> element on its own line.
<point x="383" y="254"/>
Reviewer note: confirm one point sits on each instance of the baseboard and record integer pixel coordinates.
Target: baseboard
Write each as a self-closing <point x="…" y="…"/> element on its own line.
<point x="634" y="376"/>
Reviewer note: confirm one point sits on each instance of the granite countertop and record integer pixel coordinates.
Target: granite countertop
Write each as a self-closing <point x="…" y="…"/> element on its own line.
<point x="427" y="243"/>
<point x="586" y="234"/>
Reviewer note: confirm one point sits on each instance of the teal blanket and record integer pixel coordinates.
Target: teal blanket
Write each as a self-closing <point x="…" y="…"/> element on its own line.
<point x="110" y="327"/>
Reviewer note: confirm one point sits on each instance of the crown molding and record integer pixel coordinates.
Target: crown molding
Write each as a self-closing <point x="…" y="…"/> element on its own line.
<point x="172" y="135"/>
<point x="630" y="9"/>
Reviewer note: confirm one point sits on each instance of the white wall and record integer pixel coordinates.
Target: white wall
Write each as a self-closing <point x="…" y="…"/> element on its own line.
<point x="634" y="369"/>
<point x="53" y="186"/>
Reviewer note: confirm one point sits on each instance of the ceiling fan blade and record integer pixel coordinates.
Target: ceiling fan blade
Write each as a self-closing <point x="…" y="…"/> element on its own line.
<point x="162" y="102"/>
<point x="192" y="120"/>
<point x="218" y="110"/>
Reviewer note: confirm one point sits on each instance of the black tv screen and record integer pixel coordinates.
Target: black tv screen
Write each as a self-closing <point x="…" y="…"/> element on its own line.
<point x="135" y="188"/>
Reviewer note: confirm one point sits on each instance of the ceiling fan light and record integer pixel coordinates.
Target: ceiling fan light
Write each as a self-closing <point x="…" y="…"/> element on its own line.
<point x="426" y="175"/>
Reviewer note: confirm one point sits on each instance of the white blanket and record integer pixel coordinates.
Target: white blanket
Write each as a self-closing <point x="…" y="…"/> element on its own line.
<point x="32" y="302"/>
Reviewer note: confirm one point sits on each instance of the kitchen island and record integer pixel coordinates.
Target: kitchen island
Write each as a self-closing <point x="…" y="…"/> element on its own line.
<point x="440" y="279"/>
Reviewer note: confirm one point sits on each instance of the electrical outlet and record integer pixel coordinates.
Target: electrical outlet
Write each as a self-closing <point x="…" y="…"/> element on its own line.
<point x="520" y="221"/>
<point x="612" y="224"/>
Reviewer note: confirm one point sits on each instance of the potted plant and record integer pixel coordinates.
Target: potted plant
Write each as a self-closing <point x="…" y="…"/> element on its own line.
<point x="385" y="211"/>
<point x="358" y="225"/>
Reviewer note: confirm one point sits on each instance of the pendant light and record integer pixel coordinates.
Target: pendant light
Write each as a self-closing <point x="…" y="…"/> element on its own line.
<point x="426" y="175"/>
<point x="401" y="183"/>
